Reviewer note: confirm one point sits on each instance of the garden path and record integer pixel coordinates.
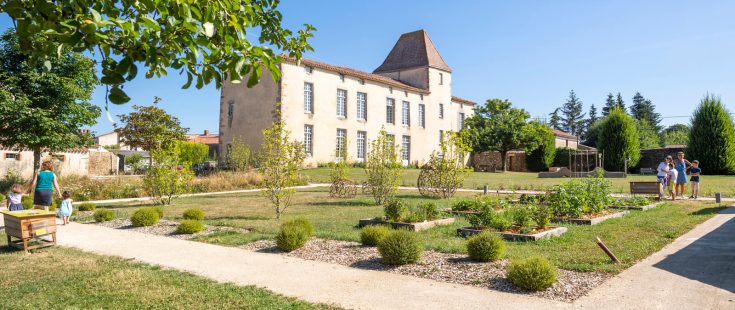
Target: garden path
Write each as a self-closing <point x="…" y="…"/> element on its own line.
<point x="696" y="271"/>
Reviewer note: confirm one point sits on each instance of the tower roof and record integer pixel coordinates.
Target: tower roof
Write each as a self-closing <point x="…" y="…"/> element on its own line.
<point x="413" y="50"/>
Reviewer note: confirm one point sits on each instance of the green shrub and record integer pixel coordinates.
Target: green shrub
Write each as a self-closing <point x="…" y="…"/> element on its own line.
<point x="144" y="217"/>
<point x="500" y="223"/>
<point x="639" y="201"/>
<point x="534" y="273"/>
<point x="521" y="216"/>
<point x="401" y="247"/>
<point x="395" y="210"/>
<point x="2" y="199"/>
<point x="292" y="236"/>
<point x="541" y="158"/>
<point x="541" y="215"/>
<point x="466" y="205"/>
<point x="371" y="235"/>
<point x="189" y="227"/>
<point x="617" y="139"/>
<point x="194" y="214"/>
<point x="158" y="210"/>
<point x="87" y="207"/>
<point x="427" y="210"/>
<point x="104" y="215"/>
<point x="712" y="136"/>
<point x="305" y="224"/>
<point x="27" y="202"/>
<point x="485" y="247"/>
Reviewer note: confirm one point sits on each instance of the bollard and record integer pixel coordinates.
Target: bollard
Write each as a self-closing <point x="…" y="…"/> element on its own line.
<point x="484" y="190"/>
<point x="718" y="197"/>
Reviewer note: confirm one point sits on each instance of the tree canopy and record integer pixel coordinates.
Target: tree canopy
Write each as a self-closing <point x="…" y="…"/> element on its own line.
<point x="206" y="40"/>
<point x="573" y="115"/>
<point x="675" y="134"/>
<point x="643" y="109"/>
<point x="555" y="119"/>
<point x="542" y="156"/>
<point x="150" y="128"/>
<point x="617" y="138"/>
<point x="712" y="137"/>
<point x="42" y="108"/>
<point x="648" y="138"/>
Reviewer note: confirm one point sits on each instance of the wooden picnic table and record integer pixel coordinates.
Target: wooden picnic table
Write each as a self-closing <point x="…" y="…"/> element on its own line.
<point x="28" y="225"/>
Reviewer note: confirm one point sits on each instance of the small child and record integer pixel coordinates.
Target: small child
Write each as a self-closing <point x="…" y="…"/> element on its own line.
<point x="65" y="207"/>
<point x="673" y="174"/>
<point x="15" y="197"/>
<point x="694" y="171"/>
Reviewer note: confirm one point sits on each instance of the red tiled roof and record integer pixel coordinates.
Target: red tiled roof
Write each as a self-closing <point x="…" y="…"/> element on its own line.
<point x="460" y="100"/>
<point x="358" y="74"/>
<point x="563" y="134"/>
<point x="205" y="139"/>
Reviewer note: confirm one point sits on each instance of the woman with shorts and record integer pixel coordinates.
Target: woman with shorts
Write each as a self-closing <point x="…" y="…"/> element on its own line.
<point x="43" y="186"/>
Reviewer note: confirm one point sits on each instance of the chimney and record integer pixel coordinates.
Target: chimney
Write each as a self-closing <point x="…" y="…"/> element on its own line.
<point x="206" y="132"/>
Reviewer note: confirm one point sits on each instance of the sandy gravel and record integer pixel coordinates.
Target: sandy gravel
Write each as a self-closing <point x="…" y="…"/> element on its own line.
<point x="163" y="228"/>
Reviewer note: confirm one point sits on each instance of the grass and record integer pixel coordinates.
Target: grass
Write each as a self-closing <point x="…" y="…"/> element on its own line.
<point x="530" y="181"/>
<point x="631" y="238"/>
<point x="60" y="277"/>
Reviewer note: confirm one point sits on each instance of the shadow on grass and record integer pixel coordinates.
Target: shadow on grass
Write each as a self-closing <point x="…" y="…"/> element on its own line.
<point x="342" y="203"/>
<point x="713" y="210"/>
<point x="239" y="217"/>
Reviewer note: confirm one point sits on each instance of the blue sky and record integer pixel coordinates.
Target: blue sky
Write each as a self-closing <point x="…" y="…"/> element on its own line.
<point x="531" y="52"/>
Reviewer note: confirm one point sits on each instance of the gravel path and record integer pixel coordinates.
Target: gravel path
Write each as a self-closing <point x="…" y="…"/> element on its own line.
<point x="163" y="228"/>
<point x="452" y="268"/>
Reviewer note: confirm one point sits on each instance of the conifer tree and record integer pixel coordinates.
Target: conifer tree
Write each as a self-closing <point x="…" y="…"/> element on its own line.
<point x="572" y="115"/>
<point x="712" y="137"/>
<point x="643" y="109"/>
<point x="554" y="119"/>
<point x="609" y="104"/>
<point x="620" y="103"/>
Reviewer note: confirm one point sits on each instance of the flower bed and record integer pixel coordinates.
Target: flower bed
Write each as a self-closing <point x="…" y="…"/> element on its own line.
<point x="591" y="219"/>
<point x="517" y="234"/>
<point x="399" y="215"/>
<point x="403" y="225"/>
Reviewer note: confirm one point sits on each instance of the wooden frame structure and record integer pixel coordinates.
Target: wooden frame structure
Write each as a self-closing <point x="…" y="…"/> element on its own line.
<point x="28" y="225"/>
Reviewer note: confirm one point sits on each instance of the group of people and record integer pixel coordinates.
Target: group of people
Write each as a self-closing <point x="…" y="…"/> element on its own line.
<point x="43" y="186"/>
<point x="672" y="176"/>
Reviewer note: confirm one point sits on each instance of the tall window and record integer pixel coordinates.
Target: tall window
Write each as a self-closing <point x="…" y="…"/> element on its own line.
<point x="341" y="139"/>
<point x="406" y="148"/>
<point x="460" y="121"/>
<point x="441" y="79"/>
<point x="361" y="144"/>
<point x="441" y="110"/>
<point x="422" y="115"/>
<point x="362" y="106"/>
<point x="230" y="112"/>
<point x="309" y="140"/>
<point x="341" y="103"/>
<point x="406" y="114"/>
<point x="390" y="111"/>
<point x="308" y="98"/>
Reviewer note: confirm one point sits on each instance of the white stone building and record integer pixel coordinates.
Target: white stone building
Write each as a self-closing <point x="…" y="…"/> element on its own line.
<point x="410" y="95"/>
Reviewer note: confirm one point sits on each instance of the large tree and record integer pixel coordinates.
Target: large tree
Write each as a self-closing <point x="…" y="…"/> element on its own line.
<point x="542" y="156"/>
<point x="712" y="137"/>
<point x="150" y="128"/>
<point x="206" y="40"/>
<point x="620" y="103"/>
<point x="572" y="115"/>
<point x="648" y="137"/>
<point x="617" y="139"/>
<point x="675" y="134"/>
<point x="591" y="119"/>
<point x="643" y="109"/>
<point x="41" y="108"/>
<point x="555" y="119"/>
<point x="498" y="126"/>
<point x="609" y="104"/>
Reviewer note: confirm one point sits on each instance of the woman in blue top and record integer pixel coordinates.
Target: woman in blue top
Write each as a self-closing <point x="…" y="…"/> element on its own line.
<point x="681" y="168"/>
<point x="44" y="184"/>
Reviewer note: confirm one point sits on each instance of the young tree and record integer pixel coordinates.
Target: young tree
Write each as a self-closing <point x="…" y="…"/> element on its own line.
<point x="192" y="153"/>
<point x="620" y="103"/>
<point x="676" y="134"/>
<point x="446" y="169"/>
<point x="280" y="161"/>
<point x="555" y="119"/>
<point x="541" y="157"/>
<point x="618" y="139"/>
<point x="498" y="126"/>
<point x="609" y="104"/>
<point x="206" y="40"/>
<point x="712" y="137"/>
<point x="45" y="109"/>
<point x="135" y="161"/>
<point x="572" y="115"/>
<point x="342" y="186"/>
<point x="648" y="138"/>
<point x="165" y="179"/>
<point x="383" y="168"/>
<point x="238" y="155"/>
<point x="643" y="109"/>
<point x="150" y="128"/>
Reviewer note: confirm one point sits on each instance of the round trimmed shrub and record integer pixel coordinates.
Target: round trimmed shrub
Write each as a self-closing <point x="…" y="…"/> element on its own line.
<point x="485" y="247"/>
<point x="293" y="235"/>
<point x="104" y="215"/>
<point x="305" y="224"/>
<point x="158" y="210"/>
<point x="194" y="214"/>
<point x="534" y="273"/>
<point x="87" y="207"/>
<point x="371" y="235"/>
<point x="189" y="227"/>
<point x="144" y="217"/>
<point x="401" y="247"/>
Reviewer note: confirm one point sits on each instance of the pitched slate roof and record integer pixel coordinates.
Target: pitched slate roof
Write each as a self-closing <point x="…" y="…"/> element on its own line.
<point x="413" y="50"/>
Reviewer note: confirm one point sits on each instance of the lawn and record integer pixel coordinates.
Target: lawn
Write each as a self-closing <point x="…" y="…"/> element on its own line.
<point x="530" y="181"/>
<point x="56" y="278"/>
<point x="632" y="238"/>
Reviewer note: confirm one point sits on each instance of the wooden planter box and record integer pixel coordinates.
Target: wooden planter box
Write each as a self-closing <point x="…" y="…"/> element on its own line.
<point x="551" y="231"/>
<point x="592" y="221"/>
<point x="410" y="226"/>
<point x="641" y="208"/>
<point x="29" y="225"/>
<point x="468" y="212"/>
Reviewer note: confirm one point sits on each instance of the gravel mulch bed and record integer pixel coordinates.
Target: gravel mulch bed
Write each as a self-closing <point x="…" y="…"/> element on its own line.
<point x="452" y="268"/>
<point x="163" y="228"/>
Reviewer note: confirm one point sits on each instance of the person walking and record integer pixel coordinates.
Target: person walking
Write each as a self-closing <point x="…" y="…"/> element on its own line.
<point x="43" y="186"/>
<point x="681" y="165"/>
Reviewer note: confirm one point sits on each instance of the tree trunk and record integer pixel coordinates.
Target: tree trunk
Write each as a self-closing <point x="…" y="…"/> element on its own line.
<point x="504" y="160"/>
<point x="36" y="160"/>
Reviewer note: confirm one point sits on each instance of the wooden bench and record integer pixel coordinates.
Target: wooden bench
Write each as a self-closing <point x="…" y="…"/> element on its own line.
<point x="645" y="171"/>
<point x="645" y="188"/>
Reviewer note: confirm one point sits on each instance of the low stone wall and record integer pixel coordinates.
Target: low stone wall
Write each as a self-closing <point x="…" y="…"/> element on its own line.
<point x="492" y="161"/>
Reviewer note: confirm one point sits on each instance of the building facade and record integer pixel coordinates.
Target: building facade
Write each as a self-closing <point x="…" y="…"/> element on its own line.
<point x="409" y="95"/>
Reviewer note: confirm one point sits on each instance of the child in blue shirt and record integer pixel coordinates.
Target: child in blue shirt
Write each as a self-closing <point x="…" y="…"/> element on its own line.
<point x="695" y="171"/>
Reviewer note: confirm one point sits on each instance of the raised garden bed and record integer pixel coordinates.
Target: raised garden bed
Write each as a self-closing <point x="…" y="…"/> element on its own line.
<point x="640" y="208"/>
<point x="410" y="226"/>
<point x="592" y="220"/>
<point x="467" y="212"/>
<point x="515" y="235"/>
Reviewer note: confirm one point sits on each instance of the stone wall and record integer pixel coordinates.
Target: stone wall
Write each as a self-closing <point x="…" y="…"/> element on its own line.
<point x="650" y="158"/>
<point x="102" y="163"/>
<point x="492" y="161"/>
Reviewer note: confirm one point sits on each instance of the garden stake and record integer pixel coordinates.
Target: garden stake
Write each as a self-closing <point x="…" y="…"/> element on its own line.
<point x="607" y="251"/>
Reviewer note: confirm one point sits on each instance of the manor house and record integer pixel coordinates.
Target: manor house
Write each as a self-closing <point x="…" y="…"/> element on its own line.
<point x="409" y="94"/>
